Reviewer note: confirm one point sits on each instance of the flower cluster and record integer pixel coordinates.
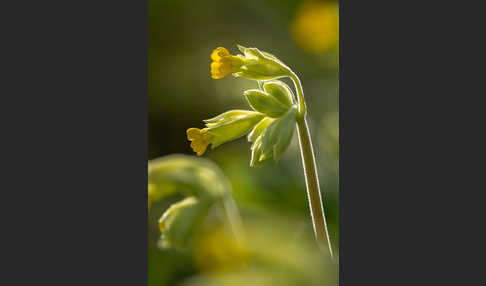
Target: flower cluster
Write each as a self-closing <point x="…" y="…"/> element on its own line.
<point x="271" y="123"/>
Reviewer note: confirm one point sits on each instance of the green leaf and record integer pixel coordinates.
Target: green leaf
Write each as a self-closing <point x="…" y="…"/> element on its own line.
<point x="169" y="215"/>
<point x="180" y="221"/>
<point x="199" y="180"/>
<point x="188" y="175"/>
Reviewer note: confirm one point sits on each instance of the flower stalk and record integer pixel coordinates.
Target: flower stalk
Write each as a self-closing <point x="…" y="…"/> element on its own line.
<point x="310" y="171"/>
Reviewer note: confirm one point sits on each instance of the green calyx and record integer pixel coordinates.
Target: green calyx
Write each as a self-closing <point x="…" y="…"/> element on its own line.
<point x="271" y="137"/>
<point x="231" y="125"/>
<point x="259" y="65"/>
<point x="265" y="103"/>
<point x="273" y="99"/>
<point x="280" y="91"/>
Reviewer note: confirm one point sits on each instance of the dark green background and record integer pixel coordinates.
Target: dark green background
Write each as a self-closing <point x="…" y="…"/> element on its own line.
<point x="182" y="35"/>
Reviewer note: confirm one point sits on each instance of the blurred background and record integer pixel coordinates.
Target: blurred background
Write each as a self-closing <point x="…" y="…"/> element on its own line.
<point x="304" y="35"/>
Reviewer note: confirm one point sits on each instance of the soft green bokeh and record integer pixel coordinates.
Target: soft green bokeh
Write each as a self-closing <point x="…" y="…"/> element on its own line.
<point x="182" y="35"/>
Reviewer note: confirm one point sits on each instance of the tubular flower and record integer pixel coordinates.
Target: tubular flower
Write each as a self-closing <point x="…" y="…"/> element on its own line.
<point x="223" y="128"/>
<point x="223" y="63"/>
<point x="254" y="64"/>
<point x="199" y="138"/>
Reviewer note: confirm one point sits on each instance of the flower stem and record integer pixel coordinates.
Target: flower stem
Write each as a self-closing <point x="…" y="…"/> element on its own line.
<point x="310" y="171"/>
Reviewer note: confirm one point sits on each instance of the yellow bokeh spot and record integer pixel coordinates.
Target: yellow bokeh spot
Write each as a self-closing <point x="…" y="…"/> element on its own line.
<point x="216" y="250"/>
<point x="316" y="26"/>
<point x="199" y="140"/>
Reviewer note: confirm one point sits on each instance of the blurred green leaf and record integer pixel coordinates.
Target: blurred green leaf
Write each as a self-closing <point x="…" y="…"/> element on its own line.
<point x="203" y="184"/>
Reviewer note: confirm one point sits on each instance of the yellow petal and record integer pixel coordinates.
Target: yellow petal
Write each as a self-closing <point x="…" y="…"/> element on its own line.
<point x="193" y="133"/>
<point x="199" y="140"/>
<point x="221" y="68"/>
<point x="218" y="53"/>
<point x="215" y="70"/>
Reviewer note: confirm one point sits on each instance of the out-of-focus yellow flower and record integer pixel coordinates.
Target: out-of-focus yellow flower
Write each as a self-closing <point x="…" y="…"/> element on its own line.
<point x="199" y="138"/>
<point x="223" y="63"/>
<point x="218" y="251"/>
<point x="316" y="26"/>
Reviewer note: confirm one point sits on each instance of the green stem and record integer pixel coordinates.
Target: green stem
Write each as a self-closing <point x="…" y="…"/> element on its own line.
<point x="300" y="96"/>
<point x="310" y="171"/>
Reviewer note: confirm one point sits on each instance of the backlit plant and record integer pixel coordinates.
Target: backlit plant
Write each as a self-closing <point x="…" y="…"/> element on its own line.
<point x="270" y="125"/>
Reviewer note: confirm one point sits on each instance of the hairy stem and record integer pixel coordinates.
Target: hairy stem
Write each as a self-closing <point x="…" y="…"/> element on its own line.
<point x="310" y="171"/>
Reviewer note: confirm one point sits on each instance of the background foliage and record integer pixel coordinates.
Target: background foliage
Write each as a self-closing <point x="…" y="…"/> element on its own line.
<point x="182" y="35"/>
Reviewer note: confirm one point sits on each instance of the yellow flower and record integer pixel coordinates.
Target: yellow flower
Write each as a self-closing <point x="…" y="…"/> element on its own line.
<point x="223" y="63"/>
<point x="223" y="128"/>
<point x="254" y="64"/>
<point x="199" y="138"/>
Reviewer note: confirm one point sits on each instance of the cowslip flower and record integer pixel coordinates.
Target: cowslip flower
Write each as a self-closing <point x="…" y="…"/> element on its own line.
<point x="222" y="128"/>
<point x="253" y="64"/>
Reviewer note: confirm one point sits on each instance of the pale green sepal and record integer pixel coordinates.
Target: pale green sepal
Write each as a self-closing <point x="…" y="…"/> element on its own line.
<point x="229" y="115"/>
<point x="259" y="128"/>
<point x="277" y="136"/>
<point x="261" y="66"/>
<point x="280" y="91"/>
<point x="265" y="103"/>
<point x="256" y="152"/>
<point x="232" y="128"/>
<point x="269" y="137"/>
<point x="285" y="135"/>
